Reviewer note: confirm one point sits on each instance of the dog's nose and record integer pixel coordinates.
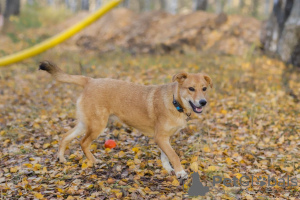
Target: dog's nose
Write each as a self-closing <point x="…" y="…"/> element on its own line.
<point x="202" y="102"/>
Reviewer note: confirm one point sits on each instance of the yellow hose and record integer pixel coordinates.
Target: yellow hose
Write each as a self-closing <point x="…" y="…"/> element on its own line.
<point x="59" y="38"/>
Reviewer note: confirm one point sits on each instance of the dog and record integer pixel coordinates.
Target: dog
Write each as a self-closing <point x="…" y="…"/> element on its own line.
<point x="158" y="111"/>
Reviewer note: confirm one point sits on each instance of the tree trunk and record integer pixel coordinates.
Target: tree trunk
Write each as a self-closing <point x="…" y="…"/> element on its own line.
<point x="126" y="3"/>
<point x="162" y="4"/>
<point x="220" y="6"/>
<point x="12" y="8"/>
<point x="255" y="5"/>
<point x="281" y="34"/>
<point x="30" y="2"/>
<point x="200" y="4"/>
<point x="85" y="5"/>
<point x="50" y="2"/>
<point x="147" y="5"/>
<point x="173" y="6"/>
<point x="98" y="3"/>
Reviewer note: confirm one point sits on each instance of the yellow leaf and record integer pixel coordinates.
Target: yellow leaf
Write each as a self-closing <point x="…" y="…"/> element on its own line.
<point x="194" y="166"/>
<point x="60" y="190"/>
<point x="121" y="154"/>
<point x="70" y="198"/>
<point x="229" y="161"/>
<point x="194" y="159"/>
<point x="94" y="147"/>
<point x="37" y="166"/>
<point x="90" y="186"/>
<point x="147" y="190"/>
<point x="29" y="165"/>
<point x="175" y="182"/>
<point x="224" y="112"/>
<point x="135" y="149"/>
<point x="238" y="175"/>
<point x="61" y="183"/>
<point x="130" y="162"/>
<point x="39" y="196"/>
<point x="13" y="169"/>
<point x="2" y="133"/>
<point x="211" y="168"/>
<point x="45" y="146"/>
<point x="206" y="149"/>
<point x="281" y="140"/>
<point x="45" y="169"/>
<point x="131" y="190"/>
<point x="119" y="195"/>
<point x="84" y="166"/>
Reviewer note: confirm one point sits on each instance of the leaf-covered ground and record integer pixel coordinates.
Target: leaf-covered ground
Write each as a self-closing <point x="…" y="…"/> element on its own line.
<point x="251" y="127"/>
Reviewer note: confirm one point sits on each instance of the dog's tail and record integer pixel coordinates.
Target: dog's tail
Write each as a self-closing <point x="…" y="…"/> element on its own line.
<point x="59" y="75"/>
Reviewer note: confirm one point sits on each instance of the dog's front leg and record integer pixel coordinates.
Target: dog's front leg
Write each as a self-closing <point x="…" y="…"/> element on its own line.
<point x="164" y="145"/>
<point x="165" y="162"/>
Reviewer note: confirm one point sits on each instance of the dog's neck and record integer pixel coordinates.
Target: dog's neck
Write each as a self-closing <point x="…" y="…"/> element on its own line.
<point x="177" y="102"/>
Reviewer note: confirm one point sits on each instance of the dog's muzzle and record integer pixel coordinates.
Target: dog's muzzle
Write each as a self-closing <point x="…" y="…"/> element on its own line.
<point x="197" y="109"/>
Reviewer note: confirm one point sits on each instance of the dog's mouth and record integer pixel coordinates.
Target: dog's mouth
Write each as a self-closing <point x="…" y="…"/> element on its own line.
<point x="195" y="108"/>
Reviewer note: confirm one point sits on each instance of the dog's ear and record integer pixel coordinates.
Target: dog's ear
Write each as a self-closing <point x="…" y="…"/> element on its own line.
<point x="208" y="80"/>
<point x="180" y="77"/>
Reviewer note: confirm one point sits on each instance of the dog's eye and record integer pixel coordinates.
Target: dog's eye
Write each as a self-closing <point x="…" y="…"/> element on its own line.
<point x="192" y="89"/>
<point x="204" y="89"/>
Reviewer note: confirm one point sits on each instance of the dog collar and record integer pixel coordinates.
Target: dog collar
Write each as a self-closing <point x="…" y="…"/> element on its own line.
<point x="177" y="105"/>
<point x="180" y="109"/>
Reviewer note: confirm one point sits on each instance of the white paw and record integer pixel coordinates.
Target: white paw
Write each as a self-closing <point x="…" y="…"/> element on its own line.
<point x="181" y="175"/>
<point x="62" y="160"/>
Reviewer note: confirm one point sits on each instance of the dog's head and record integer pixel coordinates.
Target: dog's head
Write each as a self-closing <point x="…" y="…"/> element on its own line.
<point x="192" y="89"/>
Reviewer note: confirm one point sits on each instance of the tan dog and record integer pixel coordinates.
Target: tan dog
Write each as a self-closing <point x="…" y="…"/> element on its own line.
<point x="157" y="110"/>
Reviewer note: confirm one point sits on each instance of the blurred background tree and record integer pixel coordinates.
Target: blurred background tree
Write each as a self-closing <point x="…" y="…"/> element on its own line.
<point x="279" y="35"/>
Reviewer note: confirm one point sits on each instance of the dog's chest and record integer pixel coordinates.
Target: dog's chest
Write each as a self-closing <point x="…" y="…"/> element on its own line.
<point x="174" y="125"/>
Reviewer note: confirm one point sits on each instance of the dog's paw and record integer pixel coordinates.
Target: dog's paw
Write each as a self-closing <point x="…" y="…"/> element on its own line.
<point x="181" y="175"/>
<point x="62" y="160"/>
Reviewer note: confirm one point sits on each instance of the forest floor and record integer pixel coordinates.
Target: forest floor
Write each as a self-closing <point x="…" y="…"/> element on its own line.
<point x="250" y="127"/>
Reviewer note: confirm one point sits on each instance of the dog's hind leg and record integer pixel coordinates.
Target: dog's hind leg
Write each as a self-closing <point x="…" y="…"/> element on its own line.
<point x="94" y="128"/>
<point x="67" y="137"/>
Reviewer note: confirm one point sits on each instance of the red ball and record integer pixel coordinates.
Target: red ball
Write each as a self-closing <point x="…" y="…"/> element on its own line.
<point x="110" y="144"/>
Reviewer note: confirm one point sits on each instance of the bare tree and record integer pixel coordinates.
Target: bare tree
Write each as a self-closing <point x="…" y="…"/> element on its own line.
<point x="126" y="3"/>
<point x="12" y="8"/>
<point x="255" y="5"/>
<point x="2" y="10"/>
<point x="241" y="4"/>
<point x="281" y="33"/>
<point x="163" y="4"/>
<point x="173" y="6"/>
<point x="85" y="5"/>
<point x="147" y="5"/>
<point x="199" y="4"/>
<point x="220" y="6"/>
<point x="50" y="2"/>
<point x="267" y="7"/>
<point x="30" y="2"/>
<point x="98" y="3"/>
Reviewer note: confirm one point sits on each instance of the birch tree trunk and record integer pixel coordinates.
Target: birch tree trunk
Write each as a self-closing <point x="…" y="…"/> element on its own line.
<point x="199" y="4"/>
<point x="85" y="5"/>
<point x="220" y="6"/>
<point x="281" y="34"/>
<point x="173" y="6"/>
<point x="126" y="3"/>
<point x="163" y="4"/>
